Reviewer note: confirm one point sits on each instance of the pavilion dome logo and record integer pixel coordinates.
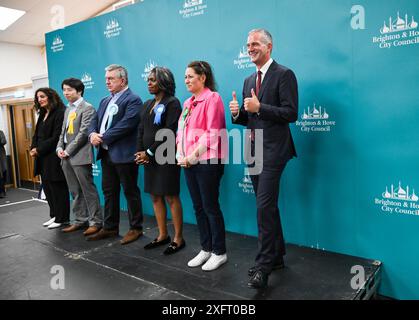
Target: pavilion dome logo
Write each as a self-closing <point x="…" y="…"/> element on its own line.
<point x="315" y="119"/>
<point x="402" y="200"/>
<point x="112" y="29"/>
<point x="193" y="8"/>
<point x="397" y="25"/>
<point x="243" y="60"/>
<point x="86" y="78"/>
<point x="112" y="24"/>
<point x="57" y="44"/>
<point x="315" y="113"/>
<point x="192" y="3"/>
<point x="398" y="32"/>
<point x="147" y="69"/>
<point x="400" y="194"/>
<point x="57" y="41"/>
<point x="244" y="53"/>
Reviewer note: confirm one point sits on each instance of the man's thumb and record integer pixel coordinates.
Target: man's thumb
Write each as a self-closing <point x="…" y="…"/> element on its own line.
<point x="234" y="96"/>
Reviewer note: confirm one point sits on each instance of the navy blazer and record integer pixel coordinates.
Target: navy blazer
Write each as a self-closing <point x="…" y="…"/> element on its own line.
<point x="121" y="137"/>
<point x="278" y="96"/>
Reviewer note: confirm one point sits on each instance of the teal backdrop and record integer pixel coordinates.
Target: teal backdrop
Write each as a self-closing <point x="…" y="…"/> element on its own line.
<point x="352" y="188"/>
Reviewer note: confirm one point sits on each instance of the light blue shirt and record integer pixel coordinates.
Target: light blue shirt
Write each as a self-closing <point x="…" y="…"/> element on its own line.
<point x="105" y="118"/>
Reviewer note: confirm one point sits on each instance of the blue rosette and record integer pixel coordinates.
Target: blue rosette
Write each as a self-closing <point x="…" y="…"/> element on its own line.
<point x="158" y="111"/>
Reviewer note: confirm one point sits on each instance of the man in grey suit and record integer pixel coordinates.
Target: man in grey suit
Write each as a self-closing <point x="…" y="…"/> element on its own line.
<point x="76" y="156"/>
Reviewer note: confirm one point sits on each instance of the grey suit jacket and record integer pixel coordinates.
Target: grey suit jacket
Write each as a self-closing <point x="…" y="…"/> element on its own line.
<point x="78" y="145"/>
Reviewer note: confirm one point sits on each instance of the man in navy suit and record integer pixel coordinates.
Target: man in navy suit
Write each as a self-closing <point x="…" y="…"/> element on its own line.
<point x="270" y="103"/>
<point x="114" y="132"/>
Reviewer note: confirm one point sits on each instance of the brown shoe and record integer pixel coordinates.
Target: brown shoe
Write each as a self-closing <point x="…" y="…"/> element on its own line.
<point x="131" y="236"/>
<point x="72" y="228"/>
<point x="103" y="234"/>
<point x="91" y="230"/>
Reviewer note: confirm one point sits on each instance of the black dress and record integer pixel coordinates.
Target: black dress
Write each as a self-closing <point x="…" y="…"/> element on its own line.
<point x="160" y="179"/>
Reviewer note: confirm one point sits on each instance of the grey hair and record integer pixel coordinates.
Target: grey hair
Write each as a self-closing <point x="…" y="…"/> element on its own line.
<point x="266" y="35"/>
<point x="123" y="73"/>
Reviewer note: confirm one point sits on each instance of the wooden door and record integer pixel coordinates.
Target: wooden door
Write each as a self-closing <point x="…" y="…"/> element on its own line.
<point x="24" y="125"/>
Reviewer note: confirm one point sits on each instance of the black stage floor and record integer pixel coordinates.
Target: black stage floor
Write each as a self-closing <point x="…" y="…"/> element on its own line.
<point x="107" y="270"/>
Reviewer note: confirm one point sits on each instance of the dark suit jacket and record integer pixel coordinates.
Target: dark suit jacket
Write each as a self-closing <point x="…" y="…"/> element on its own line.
<point x="3" y="157"/>
<point x="147" y="129"/>
<point x="121" y="137"/>
<point x="45" y="140"/>
<point x="279" y="106"/>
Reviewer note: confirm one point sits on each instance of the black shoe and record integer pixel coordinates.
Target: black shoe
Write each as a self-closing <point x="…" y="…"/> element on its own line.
<point x="2" y="194"/>
<point x="174" y="247"/>
<point x="277" y="266"/>
<point x="155" y="243"/>
<point x="258" y="280"/>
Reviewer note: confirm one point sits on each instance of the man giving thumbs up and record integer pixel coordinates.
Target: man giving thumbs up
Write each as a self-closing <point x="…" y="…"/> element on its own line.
<point x="270" y="103"/>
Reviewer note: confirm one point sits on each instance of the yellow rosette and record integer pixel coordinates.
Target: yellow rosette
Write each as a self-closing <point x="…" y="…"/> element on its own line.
<point x="71" y="117"/>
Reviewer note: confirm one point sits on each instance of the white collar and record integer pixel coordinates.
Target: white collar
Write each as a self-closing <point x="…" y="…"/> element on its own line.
<point x="265" y="67"/>
<point x="76" y="103"/>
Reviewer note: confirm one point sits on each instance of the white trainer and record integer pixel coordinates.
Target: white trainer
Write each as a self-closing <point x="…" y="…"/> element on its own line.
<point x="199" y="259"/>
<point x="214" y="262"/>
<point x="46" y="224"/>
<point x="54" y="225"/>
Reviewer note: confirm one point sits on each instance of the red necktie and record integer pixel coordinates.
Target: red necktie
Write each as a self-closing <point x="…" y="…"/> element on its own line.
<point x="258" y="82"/>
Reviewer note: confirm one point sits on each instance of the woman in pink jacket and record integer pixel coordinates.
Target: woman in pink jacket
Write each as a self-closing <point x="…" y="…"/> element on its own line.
<point x="201" y="147"/>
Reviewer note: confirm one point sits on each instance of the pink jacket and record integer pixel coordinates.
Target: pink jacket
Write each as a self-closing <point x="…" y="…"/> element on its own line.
<point x="202" y="122"/>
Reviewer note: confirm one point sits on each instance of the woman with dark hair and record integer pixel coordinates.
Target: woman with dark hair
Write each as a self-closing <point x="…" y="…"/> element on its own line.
<point x="161" y="174"/>
<point x="202" y="145"/>
<point x="44" y="143"/>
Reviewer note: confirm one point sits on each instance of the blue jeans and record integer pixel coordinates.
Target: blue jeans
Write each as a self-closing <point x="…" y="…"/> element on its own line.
<point x="203" y="182"/>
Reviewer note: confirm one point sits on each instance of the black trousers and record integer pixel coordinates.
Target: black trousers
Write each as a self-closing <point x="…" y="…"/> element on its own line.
<point x="2" y="182"/>
<point x="58" y="198"/>
<point x="271" y="245"/>
<point x="113" y="175"/>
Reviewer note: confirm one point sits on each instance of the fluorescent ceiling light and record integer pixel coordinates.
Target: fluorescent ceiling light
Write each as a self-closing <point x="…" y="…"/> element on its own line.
<point x="9" y="16"/>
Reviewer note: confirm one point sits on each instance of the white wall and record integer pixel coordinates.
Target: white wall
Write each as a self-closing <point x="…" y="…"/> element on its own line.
<point x="19" y="63"/>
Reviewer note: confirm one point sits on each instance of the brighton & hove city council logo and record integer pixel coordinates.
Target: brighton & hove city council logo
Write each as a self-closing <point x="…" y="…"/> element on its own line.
<point x="57" y="44"/>
<point x="112" y="29"/>
<point x="87" y="81"/>
<point x="398" y="200"/>
<point x="193" y="8"/>
<point x="315" y="119"/>
<point x="398" y="32"/>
